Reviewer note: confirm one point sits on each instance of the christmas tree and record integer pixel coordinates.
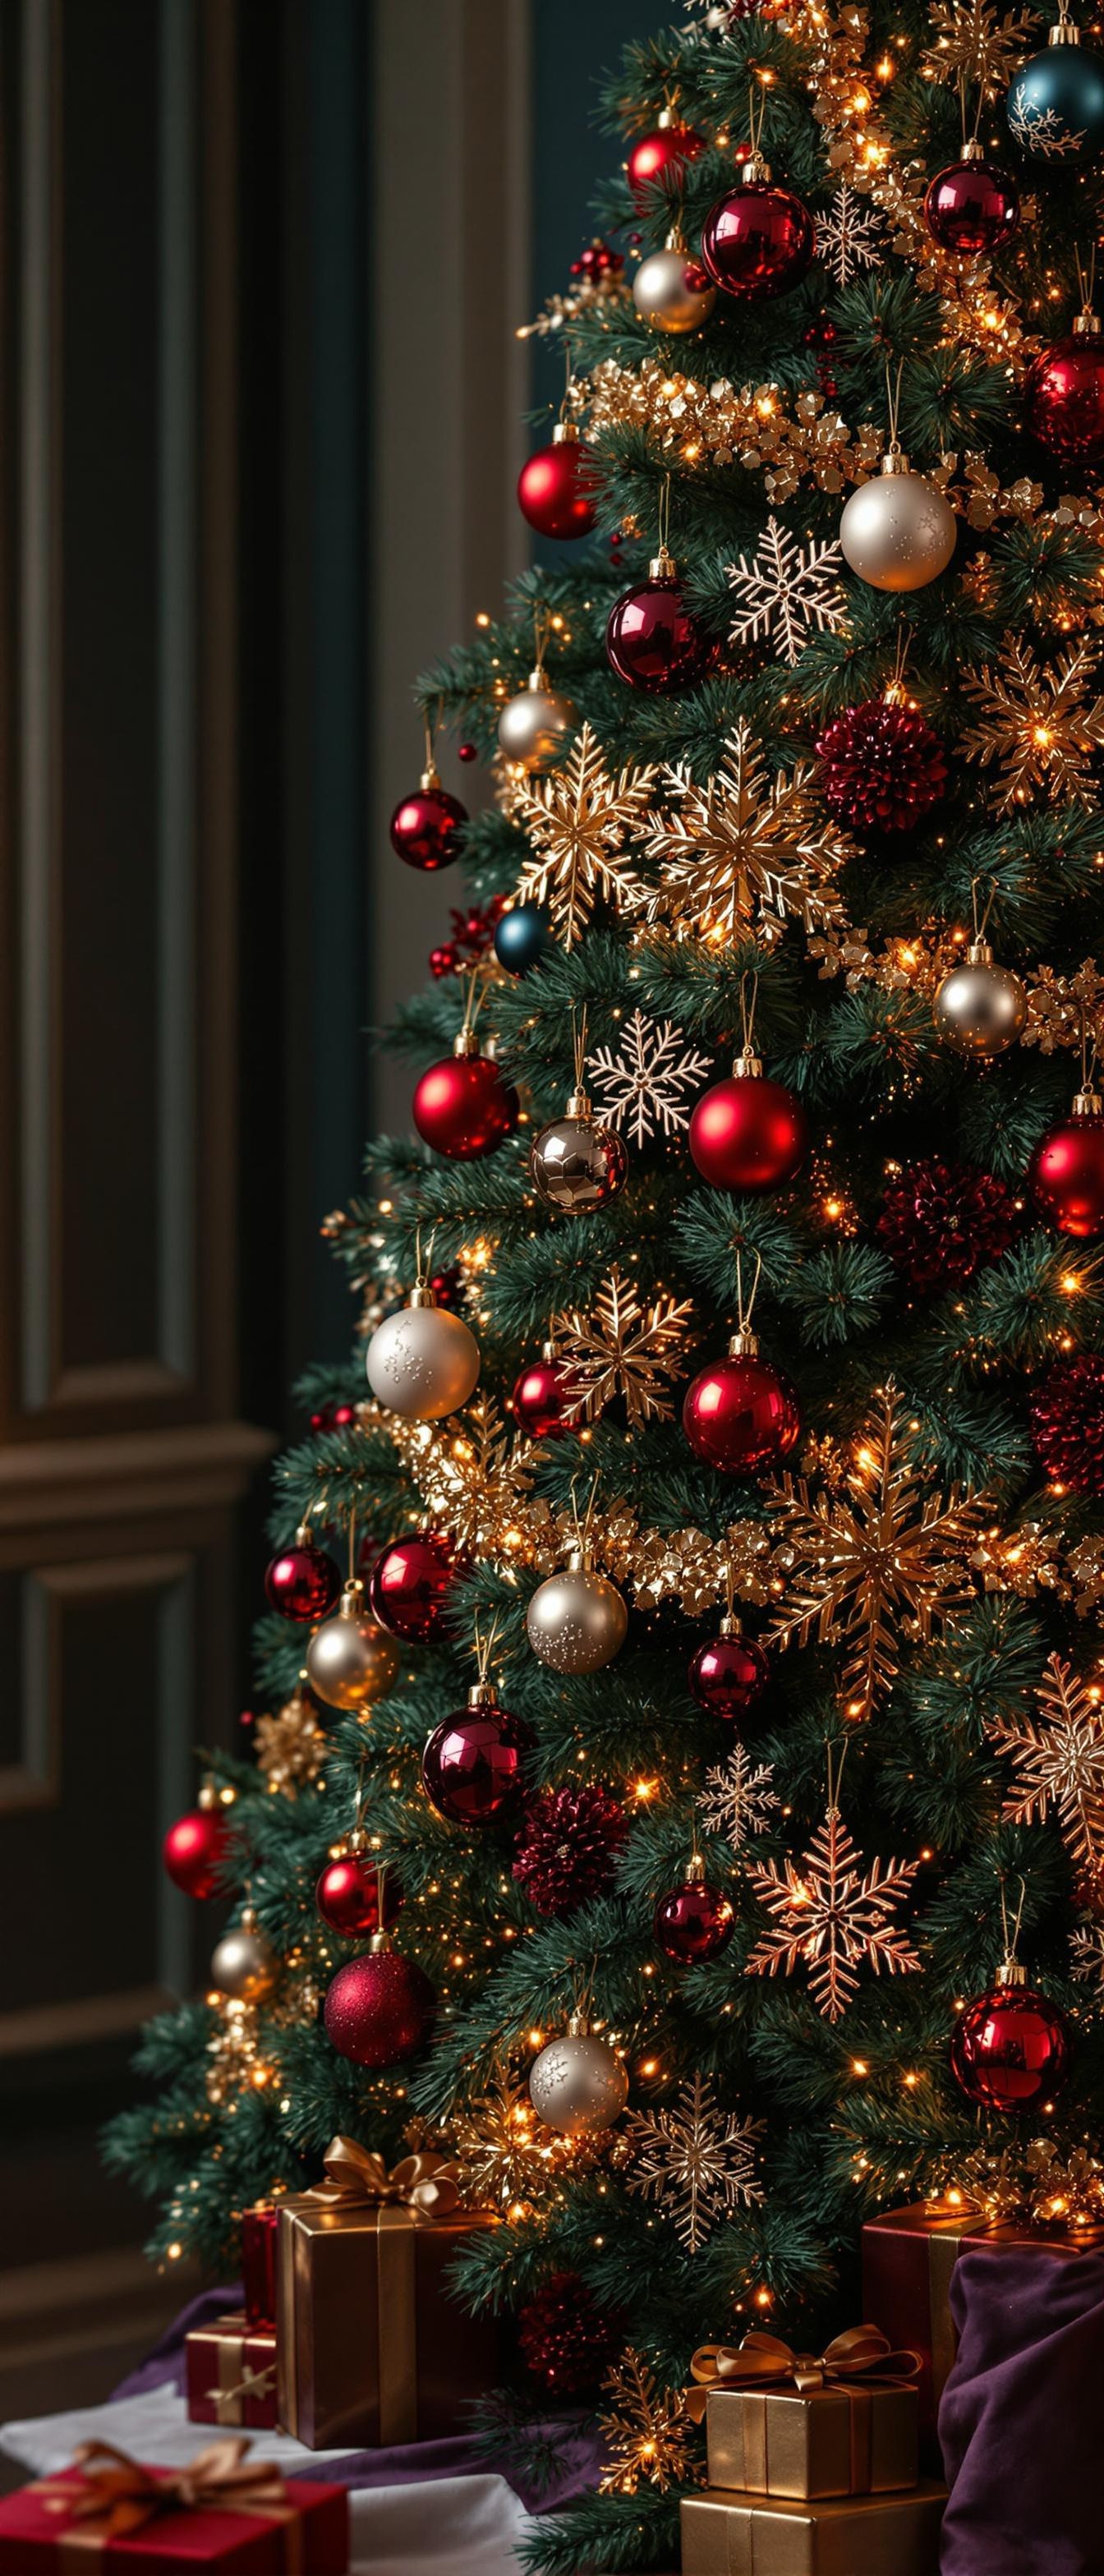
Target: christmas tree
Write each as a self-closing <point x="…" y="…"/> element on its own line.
<point x="713" y="1708"/>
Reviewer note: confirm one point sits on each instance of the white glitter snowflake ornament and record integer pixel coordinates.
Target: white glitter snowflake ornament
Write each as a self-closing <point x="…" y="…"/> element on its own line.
<point x="641" y="1089"/>
<point x="850" y="236"/>
<point x="786" y="591"/>
<point x="697" y="2159"/>
<point x="737" y="1799"/>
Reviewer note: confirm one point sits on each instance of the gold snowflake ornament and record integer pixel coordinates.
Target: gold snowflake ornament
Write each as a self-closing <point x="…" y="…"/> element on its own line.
<point x="1037" y="723"/>
<point x="623" y="1348"/>
<point x="473" y="1478"/>
<point x="743" y="852"/>
<point x="880" y="1560"/>
<point x="968" y="38"/>
<point x="646" y="2433"/>
<point x="290" y="1747"/>
<point x="737" y="1799"/>
<point x="696" y="2159"/>
<point x="578" y="822"/>
<point x="832" y="1917"/>
<point x="1060" y="1762"/>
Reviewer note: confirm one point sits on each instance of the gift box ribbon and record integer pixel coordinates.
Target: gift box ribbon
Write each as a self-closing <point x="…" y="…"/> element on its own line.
<point x="763" y="2361"/>
<point x="427" y="2185"/>
<point x="117" y="2495"/>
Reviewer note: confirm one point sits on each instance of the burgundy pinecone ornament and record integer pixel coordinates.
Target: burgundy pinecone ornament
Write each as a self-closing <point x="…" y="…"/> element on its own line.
<point x="570" y="1842"/>
<point x="1067" y="1423"/>
<point x="941" y="1221"/>
<point x="567" y="2341"/>
<point x="883" y="767"/>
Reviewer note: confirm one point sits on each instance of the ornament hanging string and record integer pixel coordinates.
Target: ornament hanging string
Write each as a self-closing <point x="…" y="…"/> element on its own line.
<point x="744" y="1316"/>
<point x="1010" y="1938"/>
<point x="834" y="1774"/>
<point x="893" y="405"/>
<point x="1086" y="279"/>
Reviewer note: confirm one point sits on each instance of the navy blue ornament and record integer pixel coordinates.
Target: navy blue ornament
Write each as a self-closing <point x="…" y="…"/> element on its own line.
<point x="522" y="937"/>
<point x="1055" y="102"/>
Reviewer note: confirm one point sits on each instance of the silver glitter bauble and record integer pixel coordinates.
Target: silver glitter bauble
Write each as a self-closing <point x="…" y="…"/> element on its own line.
<point x="980" y="1007"/>
<point x="422" y="1362"/>
<point x="532" y="727"/>
<point x="577" y="1620"/>
<point x="576" y="1163"/>
<point x="671" y="291"/>
<point x="897" y="532"/>
<point x="351" y="1660"/>
<point x="577" y="2084"/>
<point x="243" y="1965"/>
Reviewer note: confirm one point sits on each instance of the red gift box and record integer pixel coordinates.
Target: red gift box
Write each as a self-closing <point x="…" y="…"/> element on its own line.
<point x="230" y="2373"/>
<point x="105" y="2517"/>
<point x="258" y="2262"/>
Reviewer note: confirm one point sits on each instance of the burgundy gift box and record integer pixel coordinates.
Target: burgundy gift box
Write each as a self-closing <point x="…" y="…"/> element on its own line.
<point x="308" y="2535"/>
<point x="230" y="2373"/>
<point x="258" y="2262"/>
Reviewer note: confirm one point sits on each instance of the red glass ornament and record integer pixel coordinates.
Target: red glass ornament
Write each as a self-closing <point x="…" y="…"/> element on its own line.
<point x="1067" y="1170"/>
<point x="883" y="768"/>
<point x="463" y="1108"/>
<point x="425" y="827"/>
<point x="729" y="1673"/>
<point x="379" y="2008"/>
<point x="540" y="1398"/>
<point x="652" y="641"/>
<point x="748" y="1133"/>
<point x="467" y="751"/>
<point x="972" y="207"/>
<point x="694" y="1921"/>
<point x="758" y="241"/>
<point x="741" y="1414"/>
<point x="556" y="488"/>
<point x="661" y="155"/>
<point x="1064" y="398"/>
<point x="472" y="1763"/>
<point x="1010" y="2047"/>
<point x="195" y="1851"/>
<point x="347" y="1896"/>
<point x="303" y="1582"/>
<point x="411" y="1586"/>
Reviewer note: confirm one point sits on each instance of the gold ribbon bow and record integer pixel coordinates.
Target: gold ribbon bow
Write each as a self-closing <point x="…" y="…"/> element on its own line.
<point x="860" y="2355"/>
<point x="429" y="2185"/>
<point x="120" y="2494"/>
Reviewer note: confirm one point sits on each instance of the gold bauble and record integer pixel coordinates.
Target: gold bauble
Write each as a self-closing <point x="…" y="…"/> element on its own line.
<point x="981" y="1008"/>
<point x="534" y="726"/>
<point x="576" y="1621"/>
<point x="577" y="1163"/>
<point x="423" y="1362"/>
<point x="243" y="1965"/>
<point x="576" y="2084"/>
<point x="351" y="1660"/>
<point x="897" y="532"/>
<point x="667" y="292"/>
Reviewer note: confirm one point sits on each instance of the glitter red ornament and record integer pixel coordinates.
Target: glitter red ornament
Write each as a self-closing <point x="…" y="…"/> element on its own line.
<point x="569" y="1847"/>
<point x="379" y="2007"/>
<point x="1067" y="1169"/>
<point x="302" y="1582"/>
<point x="412" y="1586"/>
<point x="195" y="1851"/>
<point x="556" y="486"/>
<point x="882" y="767"/>
<point x="940" y="1222"/>
<point x="462" y="1106"/>
<point x="1067" y="1423"/>
<point x="1064" y="395"/>
<point x="741" y="1415"/>
<point x="652" y="641"/>
<point x="694" y="1921"/>
<point x="541" y="1396"/>
<point x="472" y="1764"/>
<point x="662" y="154"/>
<point x="348" y="1893"/>
<point x="973" y="206"/>
<point x="729" y="1673"/>
<point x="1010" y="2048"/>
<point x="567" y="2341"/>
<point x="758" y="240"/>
<point x="748" y="1133"/>
<point x="426" y="826"/>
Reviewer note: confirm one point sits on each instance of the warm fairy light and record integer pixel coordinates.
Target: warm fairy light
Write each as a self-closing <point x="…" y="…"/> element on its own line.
<point x="649" y="2066"/>
<point x="1071" y="1285"/>
<point x="481" y="617"/>
<point x="859" y="2066"/>
<point x="764" y="2298"/>
<point x="173" y="2253"/>
<point x="536" y="2039"/>
<point x="911" y="2082"/>
<point x="643" y="1790"/>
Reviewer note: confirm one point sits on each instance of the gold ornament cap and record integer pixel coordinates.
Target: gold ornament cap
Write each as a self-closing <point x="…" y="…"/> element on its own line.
<point x="352" y="1599"/>
<point x="1086" y="324"/>
<point x="431" y="777"/>
<point x="663" y="566"/>
<point x="1064" y="32"/>
<point x="695" y="1871"/>
<point x="465" y="1042"/>
<point x="482" y="1695"/>
<point x="895" y="460"/>
<point x="753" y="171"/>
<point x="421" y="1295"/>
<point x="1010" y="1973"/>
<point x="730" y="1625"/>
<point x="380" y="1941"/>
<point x="747" y="1066"/>
<point x="578" y="2026"/>
<point x="743" y="1344"/>
<point x="578" y="1559"/>
<point x="1087" y="1104"/>
<point x="579" y="1106"/>
<point x="565" y="434"/>
<point x="973" y="150"/>
<point x="537" y="682"/>
<point x="979" y="953"/>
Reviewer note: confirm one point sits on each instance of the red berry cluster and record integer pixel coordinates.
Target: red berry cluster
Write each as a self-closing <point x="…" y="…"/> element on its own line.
<point x="472" y="935"/>
<point x="597" y="261"/>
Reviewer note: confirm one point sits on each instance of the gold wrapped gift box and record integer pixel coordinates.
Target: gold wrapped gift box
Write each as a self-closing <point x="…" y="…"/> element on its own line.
<point x="824" y="2442"/>
<point x="887" y="2535"/>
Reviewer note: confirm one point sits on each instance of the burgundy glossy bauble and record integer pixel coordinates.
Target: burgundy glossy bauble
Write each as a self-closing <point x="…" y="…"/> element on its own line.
<point x="347" y="1896"/>
<point x="694" y="1922"/>
<point x="425" y="829"/>
<point x="748" y="1134"/>
<point x="194" y="1851"/>
<point x="463" y="1108"/>
<point x="412" y="1585"/>
<point x="540" y="1399"/>
<point x="972" y="207"/>
<point x="1064" y="398"/>
<point x="728" y="1675"/>
<point x="1010" y="2049"/>
<point x="662" y="153"/>
<point x="758" y="241"/>
<point x="379" y="2009"/>
<point x="1067" y="1176"/>
<point x="303" y="1582"/>
<point x="741" y="1415"/>
<point x="652" y="640"/>
<point x="556" y="489"/>
<point x="472" y="1765"/>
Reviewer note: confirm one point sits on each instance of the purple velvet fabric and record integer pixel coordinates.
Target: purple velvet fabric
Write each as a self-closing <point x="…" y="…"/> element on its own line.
<point x="1022" y="2414"/>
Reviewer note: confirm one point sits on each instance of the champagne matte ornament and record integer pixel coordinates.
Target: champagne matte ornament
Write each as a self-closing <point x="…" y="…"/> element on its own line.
<point x="422" y="1362"/>
<point x="578" y="1164"/>
<point x="1054" y="104"/>
<point x="351" y="1661"/>
<point x="534" y="726"/>
<point x="243" y="1964"/>
<point x="980" y="1007"/>
<point x="671" y="291"/>
<point x="576" y="2084"/>
<point x="897" y="531"/>
<point x="576" y="1621"/>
